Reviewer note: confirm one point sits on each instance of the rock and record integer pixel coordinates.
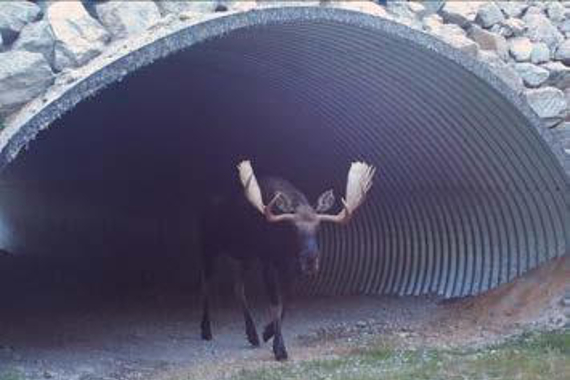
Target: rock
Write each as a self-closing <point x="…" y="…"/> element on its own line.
<point x="241" y="5"/>
<point x="549" y="104"/>
<point x="535" y="9"/>
<point x="455" y="36"/>
<point x="555" y="11"/>
<point x="490" y="41"/>
<point x="489" y="14"/>
<point x="78" y="37"/>
<point x="564" y="27"/>
<point x="532" y="75"/>
<point x="502" y="70"/>
<point x="418" y="9"/>
<point x="520" y="48"/>
<point x="407" y="11"/>
<point x="512" y="27"/>
<point x="38" y="38"/>
<point x="559" y="75"/>
<point x="173" y="6"/>
<point x="432" y="23"/>
<point x="23" y="76"/>
<point x="462" y="13"/>
<point x="433" y="6"/>
<point x="515" y="26"/>
<point x="540" y="29"/>
<point x="125" y="18"/>
<point x="512" y="8"/>
<point x="563" y="52"/>
<point x="540" y="53"/>
<point x="14" y="15"/>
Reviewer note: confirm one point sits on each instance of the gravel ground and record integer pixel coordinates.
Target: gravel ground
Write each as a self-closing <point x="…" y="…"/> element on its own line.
<point x="141" y="340"/>
<point x="47" y="335"/>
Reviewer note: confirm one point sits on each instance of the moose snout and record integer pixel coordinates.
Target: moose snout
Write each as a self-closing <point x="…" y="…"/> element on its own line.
<point x="310" y="265"/>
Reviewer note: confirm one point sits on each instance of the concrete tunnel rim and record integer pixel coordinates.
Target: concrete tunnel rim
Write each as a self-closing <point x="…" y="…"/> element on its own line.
<point x="22" y="132"/>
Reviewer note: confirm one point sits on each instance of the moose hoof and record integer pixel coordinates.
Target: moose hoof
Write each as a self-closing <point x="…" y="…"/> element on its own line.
<point x="206" y="331"/>
<point x="253" y="338"/>
<point x="268" y="332"/>
<point x="280" y="354"/>
<point x="206" y="335"/>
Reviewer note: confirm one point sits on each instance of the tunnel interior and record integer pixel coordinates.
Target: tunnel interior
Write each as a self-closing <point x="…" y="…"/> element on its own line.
<point x="467" y="196"/>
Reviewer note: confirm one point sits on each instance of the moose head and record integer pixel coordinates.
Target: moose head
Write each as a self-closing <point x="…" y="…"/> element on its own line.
<point x="306" y="219"/>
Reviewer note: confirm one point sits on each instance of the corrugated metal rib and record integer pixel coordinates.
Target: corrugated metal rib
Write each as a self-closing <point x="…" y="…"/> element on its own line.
<point x="469" y="192"/>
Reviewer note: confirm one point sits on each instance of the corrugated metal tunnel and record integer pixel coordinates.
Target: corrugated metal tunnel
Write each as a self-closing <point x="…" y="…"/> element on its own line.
<point x="470" y="192"/>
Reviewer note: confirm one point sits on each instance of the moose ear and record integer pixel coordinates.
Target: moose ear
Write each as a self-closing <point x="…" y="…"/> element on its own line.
<point x="284" y="203"/>
<point x="325" y="201"/>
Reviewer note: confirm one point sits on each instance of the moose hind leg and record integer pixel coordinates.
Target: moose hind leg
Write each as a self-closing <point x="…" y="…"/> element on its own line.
<point x="250" y="330"/>
<point x="276" y="307"/>
<point x="205" y="279"/>
<point x="269" y="330"/>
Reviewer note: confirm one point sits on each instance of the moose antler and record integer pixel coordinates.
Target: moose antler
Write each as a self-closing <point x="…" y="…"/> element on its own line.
<point x="253" y="194"/>
<point x="358" y="183"/>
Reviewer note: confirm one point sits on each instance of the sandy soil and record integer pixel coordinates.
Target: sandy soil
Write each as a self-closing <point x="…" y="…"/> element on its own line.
<point x="158" y="337"/>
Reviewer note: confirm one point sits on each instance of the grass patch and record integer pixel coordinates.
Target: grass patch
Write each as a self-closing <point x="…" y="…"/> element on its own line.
<point x="536" y="356"/>
<point x="11" y="375"/>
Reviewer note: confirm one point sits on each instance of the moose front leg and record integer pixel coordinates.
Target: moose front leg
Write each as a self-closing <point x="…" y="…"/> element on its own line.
<point x="239" y="288"/>
<point x="276" y="309"/>
<point x="206" y="273"/>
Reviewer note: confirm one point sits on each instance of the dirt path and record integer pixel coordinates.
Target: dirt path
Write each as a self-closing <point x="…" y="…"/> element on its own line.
<point x="158" y="338"/>
<point x="119" y="342"/>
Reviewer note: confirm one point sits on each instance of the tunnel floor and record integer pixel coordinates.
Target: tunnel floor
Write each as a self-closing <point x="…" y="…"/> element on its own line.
<point x="155" y="335"/>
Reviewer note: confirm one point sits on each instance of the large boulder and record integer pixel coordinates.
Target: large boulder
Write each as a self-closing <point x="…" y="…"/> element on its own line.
<point x="512" y="27"/>
<point x="512" y="8"/>
<point x="23" y="76"/>
<point x="78" y="36"/>
<point x="549" y="104"/>
<point x="432" y="23"/>
<point x="433" y="6"/>
<point x="563" y="52"/>
<point x="125" y="18"/>
<point x="555" y="11"/>
<point x="540" y="53"/>
<point x="456" y="37"/>
<point x="489" y="14"/>
<point x="540" y="29"/>
<point x="564" y="27"/>
<point x="38" y="38"/>
<point x="490" y="41"/>
<point x="177" y="7"/>
<point x="462" y="13"/>
<point x="14" y="15"/>
<point x="532" y="75"/>
<point x="520" y="48"/>
<point x="559" y="75"/>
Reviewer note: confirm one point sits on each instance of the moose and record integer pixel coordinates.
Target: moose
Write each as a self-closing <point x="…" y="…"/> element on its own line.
<point x="284" y="243"/>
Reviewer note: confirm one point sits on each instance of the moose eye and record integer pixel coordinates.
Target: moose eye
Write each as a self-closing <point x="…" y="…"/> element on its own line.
<point x="284" y="203"/>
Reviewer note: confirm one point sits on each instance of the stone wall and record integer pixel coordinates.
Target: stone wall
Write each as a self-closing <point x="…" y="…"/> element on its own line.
<point x="526" y="43"/>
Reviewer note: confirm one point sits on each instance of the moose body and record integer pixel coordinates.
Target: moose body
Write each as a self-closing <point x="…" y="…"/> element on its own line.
<point x="232" y="227"/>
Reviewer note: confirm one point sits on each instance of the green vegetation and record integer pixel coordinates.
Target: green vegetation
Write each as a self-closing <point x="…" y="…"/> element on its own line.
<point x="11" y="375"/>
<point x="538" y="356"/>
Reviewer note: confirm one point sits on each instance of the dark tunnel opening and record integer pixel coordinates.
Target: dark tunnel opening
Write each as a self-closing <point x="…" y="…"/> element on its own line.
<point x="468" y="195"/>
<point x="108" y="200"/>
